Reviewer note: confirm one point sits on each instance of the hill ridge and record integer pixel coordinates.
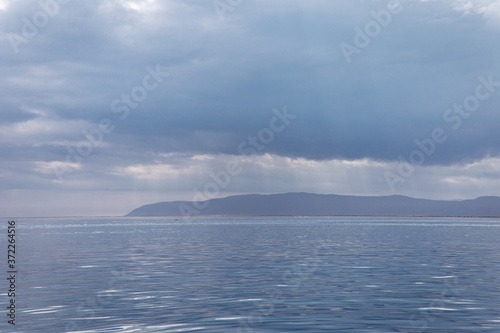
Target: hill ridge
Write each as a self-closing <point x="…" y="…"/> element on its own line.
<point x="313" y="204"/>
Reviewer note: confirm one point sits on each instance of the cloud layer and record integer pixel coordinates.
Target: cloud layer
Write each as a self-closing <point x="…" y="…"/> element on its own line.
<point x="152" y="96"/>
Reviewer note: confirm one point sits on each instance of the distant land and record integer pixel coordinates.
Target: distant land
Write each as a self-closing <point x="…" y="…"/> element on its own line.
<point x="324" y="204"/>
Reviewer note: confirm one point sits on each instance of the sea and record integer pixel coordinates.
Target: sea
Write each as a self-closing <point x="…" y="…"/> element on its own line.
<point x="254" y="274"/>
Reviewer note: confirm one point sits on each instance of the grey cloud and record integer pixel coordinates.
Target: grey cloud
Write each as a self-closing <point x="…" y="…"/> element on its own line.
<point x="227" y="76"/>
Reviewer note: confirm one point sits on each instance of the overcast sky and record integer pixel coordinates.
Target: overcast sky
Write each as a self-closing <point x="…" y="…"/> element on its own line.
<point x="107" y="105"/>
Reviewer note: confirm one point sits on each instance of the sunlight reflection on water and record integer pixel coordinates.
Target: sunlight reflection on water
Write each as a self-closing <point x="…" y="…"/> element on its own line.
<point x="262" y="274"/>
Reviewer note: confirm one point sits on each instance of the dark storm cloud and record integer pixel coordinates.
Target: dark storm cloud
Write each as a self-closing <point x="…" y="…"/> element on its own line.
<point x="225" y="77"/>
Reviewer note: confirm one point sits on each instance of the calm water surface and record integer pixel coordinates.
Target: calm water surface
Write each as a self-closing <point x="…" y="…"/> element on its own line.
<point x="279" y="274"/>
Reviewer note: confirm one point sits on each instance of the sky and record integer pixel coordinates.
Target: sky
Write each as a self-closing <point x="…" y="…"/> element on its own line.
<point x="106" y="105"/>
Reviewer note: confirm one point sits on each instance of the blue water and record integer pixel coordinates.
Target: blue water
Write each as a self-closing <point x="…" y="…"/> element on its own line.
<point x="279" y="274"/>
